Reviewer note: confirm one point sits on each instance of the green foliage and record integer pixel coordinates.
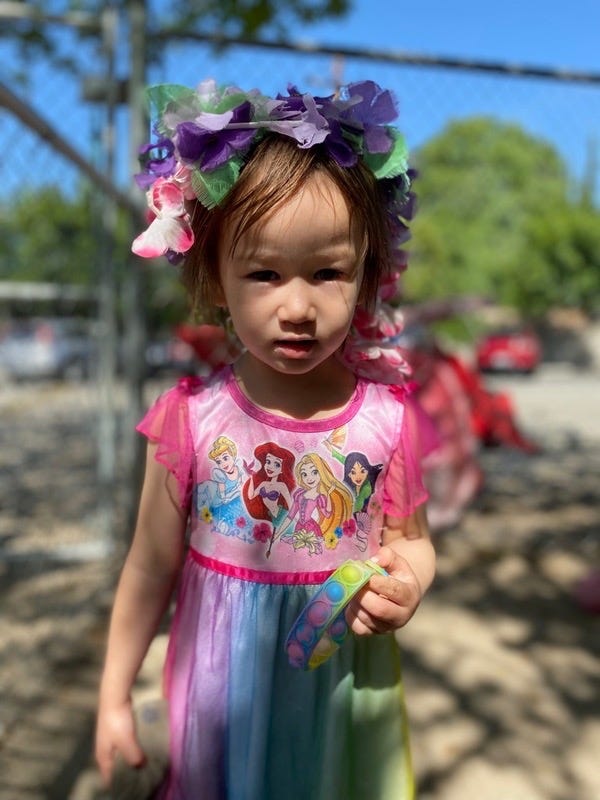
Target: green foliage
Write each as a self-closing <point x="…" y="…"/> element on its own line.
<point x="250" y="18"/>
<point x="46" y="237"/>
<point x="246" y="19"/>
<point x="564" y="265"/>
<point x="494" y="219"/>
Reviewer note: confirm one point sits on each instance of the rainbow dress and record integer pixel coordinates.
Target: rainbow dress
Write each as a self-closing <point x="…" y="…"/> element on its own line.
<point x="270" y="517"/>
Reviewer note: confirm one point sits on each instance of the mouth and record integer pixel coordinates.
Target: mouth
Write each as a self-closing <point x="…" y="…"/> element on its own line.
<point x="295" y="348"/>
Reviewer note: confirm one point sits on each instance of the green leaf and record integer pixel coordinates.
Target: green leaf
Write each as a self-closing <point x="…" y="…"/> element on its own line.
<point x="212" y="187"/>
<point x="164" y="95"/>
<point x="392" y="164"/>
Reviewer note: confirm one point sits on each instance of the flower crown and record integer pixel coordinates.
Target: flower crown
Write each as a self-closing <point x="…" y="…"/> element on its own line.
<point x="204" y="136"/>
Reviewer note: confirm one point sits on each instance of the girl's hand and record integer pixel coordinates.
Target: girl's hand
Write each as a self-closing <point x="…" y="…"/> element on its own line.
<point x="249" y="467"/>
<point x="387" y="602"/>
<point x="115" y="733"/>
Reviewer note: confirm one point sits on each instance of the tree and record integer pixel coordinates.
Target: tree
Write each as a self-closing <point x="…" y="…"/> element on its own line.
<point x="247" y="20"/>
<point x="563" y="265"/>
<point x="63" y="245"/>
<point x="481" y="184"/>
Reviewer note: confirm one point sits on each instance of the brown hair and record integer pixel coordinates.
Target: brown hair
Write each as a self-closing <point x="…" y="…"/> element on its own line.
<point x="275" y="171"/>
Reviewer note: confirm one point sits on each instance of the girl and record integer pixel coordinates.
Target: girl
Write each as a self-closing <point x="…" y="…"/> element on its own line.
<point x="287" y="211"/>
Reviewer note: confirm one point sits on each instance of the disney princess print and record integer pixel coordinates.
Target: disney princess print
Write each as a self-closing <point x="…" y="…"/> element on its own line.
<point x="307" y="501"/>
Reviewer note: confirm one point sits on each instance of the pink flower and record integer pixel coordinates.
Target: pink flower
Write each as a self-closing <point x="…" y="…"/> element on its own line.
<point x="262" y="532"/>
<point x="384" y="364"/>
<point x="241" y="522"/>
<point x="170" y="228"/>
<point x="349" y="527"/>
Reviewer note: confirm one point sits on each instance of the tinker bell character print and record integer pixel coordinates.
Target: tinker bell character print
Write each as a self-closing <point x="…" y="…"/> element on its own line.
<point x="219" y="500"/>
<point x="321" y="506"/>
<point x="268" y="491"/>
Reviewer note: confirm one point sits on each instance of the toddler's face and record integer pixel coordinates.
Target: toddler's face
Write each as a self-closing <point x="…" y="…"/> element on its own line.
<point x="292" y="283"/>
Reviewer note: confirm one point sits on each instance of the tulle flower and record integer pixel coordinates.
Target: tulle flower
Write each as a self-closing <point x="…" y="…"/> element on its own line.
<point x="298" y="117"/>
<point x="208" y="141"/>
<point x="204" y="135"/>
<point x="170" y="228"/>
<point x="373" y="108"/>
<point x="157" y="161"/>
<point x="381" y="363"/>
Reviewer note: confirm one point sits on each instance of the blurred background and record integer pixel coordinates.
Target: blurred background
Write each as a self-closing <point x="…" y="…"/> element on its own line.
<point x="501" y="111"/>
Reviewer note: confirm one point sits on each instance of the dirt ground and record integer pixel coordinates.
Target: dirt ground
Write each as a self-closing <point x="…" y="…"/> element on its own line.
<point x="501" y="664"/>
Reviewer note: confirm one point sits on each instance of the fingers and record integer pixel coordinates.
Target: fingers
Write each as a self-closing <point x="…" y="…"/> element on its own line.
<point x="394" y="564"/>
<point x="105" y="757"/>
<point x="132" y="752"/>
<point x="116" y="734"/>
<point x="104" y="760"/>
<point x="388" y="601"/>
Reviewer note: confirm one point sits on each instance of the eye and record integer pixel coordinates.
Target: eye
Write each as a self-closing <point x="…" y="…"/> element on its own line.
<point x="328" y="274"/>
<point x="263" y="276"/>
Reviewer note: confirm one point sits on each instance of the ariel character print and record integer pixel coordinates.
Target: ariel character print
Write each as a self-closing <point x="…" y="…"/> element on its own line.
<point x="321" y="505"/>
<point x="268" y="491"/>
<point x="219" y="500"/>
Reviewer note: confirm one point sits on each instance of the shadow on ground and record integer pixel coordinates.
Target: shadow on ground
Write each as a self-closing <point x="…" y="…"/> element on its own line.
<point x="501" y="664"/>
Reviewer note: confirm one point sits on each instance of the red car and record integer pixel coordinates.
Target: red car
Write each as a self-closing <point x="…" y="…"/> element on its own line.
<point x="509" y="350"/>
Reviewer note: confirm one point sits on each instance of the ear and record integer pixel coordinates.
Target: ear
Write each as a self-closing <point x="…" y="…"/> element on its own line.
<point x="218" y="295"/>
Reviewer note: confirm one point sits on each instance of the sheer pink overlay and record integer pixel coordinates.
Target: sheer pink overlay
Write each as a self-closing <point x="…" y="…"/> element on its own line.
<point x="167" y="424"/>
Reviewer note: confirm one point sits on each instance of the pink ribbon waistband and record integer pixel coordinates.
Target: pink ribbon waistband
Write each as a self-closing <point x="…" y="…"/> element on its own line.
<point x="259" y="575"/>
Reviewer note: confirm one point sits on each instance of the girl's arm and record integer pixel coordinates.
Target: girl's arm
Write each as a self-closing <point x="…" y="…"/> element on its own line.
<point x="387" y="603"/>
<point x="142" y="596"/>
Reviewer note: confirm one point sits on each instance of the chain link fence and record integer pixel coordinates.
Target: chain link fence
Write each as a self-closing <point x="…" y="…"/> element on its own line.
<point x="55" y="463"/>
<point x="565" y="112"/>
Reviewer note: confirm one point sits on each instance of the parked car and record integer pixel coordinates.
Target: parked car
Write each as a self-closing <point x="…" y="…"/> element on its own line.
<point x="47" y="347"/>
<point x="170" y="354"/>
<point x="509" y="350"/>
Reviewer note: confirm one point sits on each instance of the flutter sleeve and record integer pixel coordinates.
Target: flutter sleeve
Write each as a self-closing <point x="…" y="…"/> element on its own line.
<point x="404" y="488"/>
<point x="167" y="424"/>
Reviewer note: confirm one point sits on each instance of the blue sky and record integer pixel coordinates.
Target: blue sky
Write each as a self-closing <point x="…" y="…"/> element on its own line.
<point x="540" y="32"/>
<point x="526" y="32"/>
<point x="549" y="34"/>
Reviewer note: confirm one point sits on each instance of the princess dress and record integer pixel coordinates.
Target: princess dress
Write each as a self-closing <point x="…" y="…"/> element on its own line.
<point x="244" y="723"/>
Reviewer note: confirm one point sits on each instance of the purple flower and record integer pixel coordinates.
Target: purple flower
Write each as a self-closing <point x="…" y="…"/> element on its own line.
<point x="373" y="108"/>
<point x="175" y="259"/>
<point x="157" y="160"/>
<point x="339" y="147"/>
<point x="209" y="143"/>
<point x="298" y="116"/>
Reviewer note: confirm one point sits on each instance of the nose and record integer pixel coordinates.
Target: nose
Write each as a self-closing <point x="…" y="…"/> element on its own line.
<point x="297" y="303"/>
